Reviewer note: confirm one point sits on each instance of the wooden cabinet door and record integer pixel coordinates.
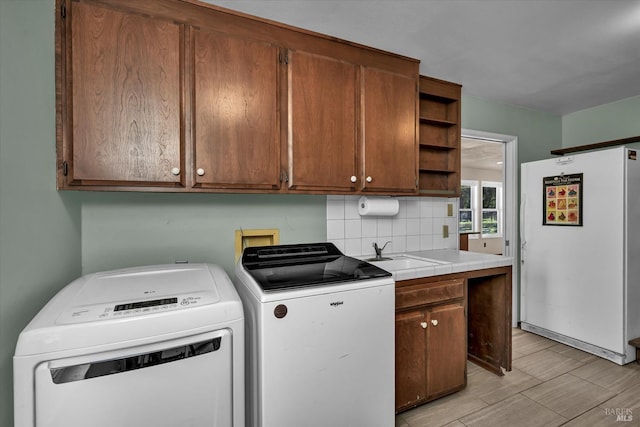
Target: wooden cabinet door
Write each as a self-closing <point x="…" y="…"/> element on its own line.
<point x="446" y="349"/>
<point x="411" y="381"/>
<point x="236" y="113"/>
<point x="390" y="144"/>
<point x="121" y="94"/>
<point x="322" y="102"/>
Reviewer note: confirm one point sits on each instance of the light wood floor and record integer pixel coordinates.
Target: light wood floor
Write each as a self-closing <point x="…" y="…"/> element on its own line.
<point x="550" y="385"/>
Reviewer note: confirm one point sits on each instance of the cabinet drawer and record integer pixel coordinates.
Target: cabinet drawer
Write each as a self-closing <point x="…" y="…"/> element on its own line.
<point x="429" y="293"/>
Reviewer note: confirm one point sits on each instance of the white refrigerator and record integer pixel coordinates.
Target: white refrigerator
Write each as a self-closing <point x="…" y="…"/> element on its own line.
<point x="580" y="251"/>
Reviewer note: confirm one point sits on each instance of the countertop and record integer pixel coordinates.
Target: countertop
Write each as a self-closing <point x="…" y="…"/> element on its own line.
<point x="458" y="262"/>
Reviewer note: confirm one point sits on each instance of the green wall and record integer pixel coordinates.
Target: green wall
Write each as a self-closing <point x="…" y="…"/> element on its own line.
<point x="538" y="132"/>
<point x="39" y="228"/>
<point x="607" y="122"/>
<point x="128" y="229"/>
<point x="48" y="238"/>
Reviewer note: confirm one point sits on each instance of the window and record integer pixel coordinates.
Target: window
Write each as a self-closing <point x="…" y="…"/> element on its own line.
<point x="481" y="208"/>
<point x="491" y="209"/>
<point x="468" y="206"/>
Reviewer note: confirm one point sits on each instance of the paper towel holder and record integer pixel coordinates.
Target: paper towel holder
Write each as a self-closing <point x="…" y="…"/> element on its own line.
<point x="378" y="206"/>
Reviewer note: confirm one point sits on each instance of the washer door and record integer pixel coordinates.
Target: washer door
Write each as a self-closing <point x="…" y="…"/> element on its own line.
<point x="182" y="382"/>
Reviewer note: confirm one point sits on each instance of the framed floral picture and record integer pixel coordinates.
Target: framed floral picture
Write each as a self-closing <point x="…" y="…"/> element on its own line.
<point x="562" y="199"/>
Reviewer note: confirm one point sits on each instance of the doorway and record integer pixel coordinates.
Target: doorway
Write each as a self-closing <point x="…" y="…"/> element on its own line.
<point x="506" y="148"/>
<point x="482" y="196"/>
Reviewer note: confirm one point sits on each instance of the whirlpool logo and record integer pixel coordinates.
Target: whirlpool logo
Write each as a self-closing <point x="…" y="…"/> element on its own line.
<point x="336" y="303"/>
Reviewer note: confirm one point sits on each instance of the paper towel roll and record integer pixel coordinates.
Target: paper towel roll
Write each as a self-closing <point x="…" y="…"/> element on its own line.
<point x="378" y="206"/>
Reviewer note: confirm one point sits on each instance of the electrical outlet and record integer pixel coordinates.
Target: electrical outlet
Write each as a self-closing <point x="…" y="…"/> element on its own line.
<point x="445" y="231"/>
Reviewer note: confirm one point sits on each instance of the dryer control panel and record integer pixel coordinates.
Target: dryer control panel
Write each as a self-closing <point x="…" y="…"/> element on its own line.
<point x="89" y="313"/>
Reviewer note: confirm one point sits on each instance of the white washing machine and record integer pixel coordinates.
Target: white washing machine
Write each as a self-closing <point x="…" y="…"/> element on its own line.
<point x="159" y="346"/>
<point x="320" y="338"/>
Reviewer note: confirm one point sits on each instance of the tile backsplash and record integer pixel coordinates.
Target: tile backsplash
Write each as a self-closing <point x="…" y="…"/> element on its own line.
<point x="417" y="226"/>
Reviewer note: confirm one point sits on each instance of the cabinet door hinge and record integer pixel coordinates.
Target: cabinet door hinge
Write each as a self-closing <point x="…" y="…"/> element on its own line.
<point x="65" y="168"/>
<point x="284" y="177"/>
<point x="284" y="59"/>
<point x="63" y="10"/>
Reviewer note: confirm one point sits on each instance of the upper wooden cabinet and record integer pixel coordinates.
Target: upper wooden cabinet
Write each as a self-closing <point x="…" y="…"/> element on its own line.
<point x="440" y="125"/>
<point x="178" y="95"/>
<point x="120" y="113"/>
<point x="236" y="135"/>
<point x="322" y="134"/>
<point x="389" y="152"/>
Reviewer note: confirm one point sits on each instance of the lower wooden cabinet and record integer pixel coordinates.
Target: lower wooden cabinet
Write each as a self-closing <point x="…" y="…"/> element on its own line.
<point x="431" y="348"/>
<point x="441" y="321"/>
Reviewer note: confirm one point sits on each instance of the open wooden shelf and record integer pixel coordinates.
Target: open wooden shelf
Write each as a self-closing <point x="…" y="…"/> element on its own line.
<point x="597" y="145"/>
<point x="439" y="155"/>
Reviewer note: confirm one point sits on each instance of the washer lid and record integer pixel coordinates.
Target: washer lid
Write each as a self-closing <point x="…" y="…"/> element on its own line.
<point x="277" y="268"/>
<point x="140" y="291"/>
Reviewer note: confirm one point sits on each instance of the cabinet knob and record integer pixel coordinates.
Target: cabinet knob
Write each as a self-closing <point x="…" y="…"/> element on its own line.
<point x="369" y="179"/>
<point x="353" y="178"/>
<point x="175" y="171"/>
<point x="424" y="325"/>
<point x="200" y="171"/>
<point x="434" y="322"/>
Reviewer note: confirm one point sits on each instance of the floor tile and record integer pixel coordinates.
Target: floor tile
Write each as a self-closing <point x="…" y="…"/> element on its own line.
<point x="628" y="399"/>
<point x="574" y="353"/>
<point x="518" y="411"/>
<point x="492" y="388"/>
<point x="525" y="343"/>
<point x="599" y="417"/>
<point x="400" y="422"/>
<point x="568" y="395"/>
<point x="610" y="375"/>
<point x="443" y="411"/>
<point x="546" y="364"/>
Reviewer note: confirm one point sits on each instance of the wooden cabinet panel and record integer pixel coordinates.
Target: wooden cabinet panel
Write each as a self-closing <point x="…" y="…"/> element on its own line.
<point x="446" y="363"/>
<point x="489" y="341"/>
<point x="123" y="89"/>
<point x="236" y="114"/>
<point x="390" y="150"/>
<point x="322" y="124"/>
<point x="420" y="295"/>
<point x="411" y="381"/>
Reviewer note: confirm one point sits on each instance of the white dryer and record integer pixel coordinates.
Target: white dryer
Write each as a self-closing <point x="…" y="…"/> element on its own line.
<point x="158" y="346"/>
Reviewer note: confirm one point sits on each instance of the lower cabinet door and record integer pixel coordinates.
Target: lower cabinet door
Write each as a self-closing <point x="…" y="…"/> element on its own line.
<point x="446" y="349"/>
<point x="411" y="384"/>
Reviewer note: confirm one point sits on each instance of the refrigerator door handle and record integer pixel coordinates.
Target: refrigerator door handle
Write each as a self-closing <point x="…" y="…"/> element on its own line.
<point x="523" y="239"/>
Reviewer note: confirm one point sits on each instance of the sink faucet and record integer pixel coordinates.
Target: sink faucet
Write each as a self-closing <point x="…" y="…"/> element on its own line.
<point x="379" y="250"/>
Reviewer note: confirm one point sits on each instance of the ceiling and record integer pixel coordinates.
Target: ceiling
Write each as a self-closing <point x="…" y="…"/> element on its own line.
<point x="557" y="56"/>
<point x="481" y="154"/>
